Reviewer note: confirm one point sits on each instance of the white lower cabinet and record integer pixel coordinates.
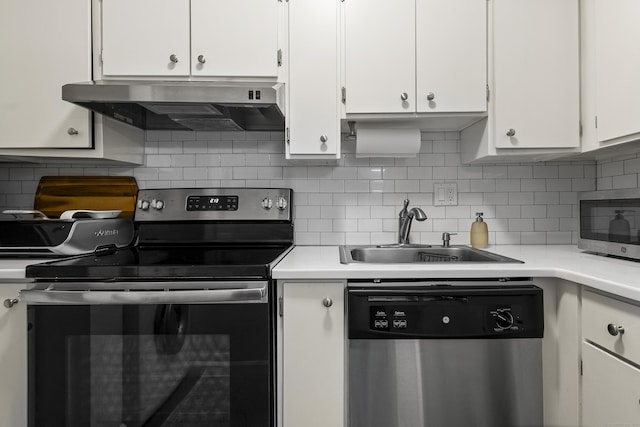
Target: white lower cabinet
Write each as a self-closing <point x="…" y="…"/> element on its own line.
<point x="13" y="358"/>
<point x="312" y="354"/>
<point x="610" y="359"/>
<point x="611" y="390"/>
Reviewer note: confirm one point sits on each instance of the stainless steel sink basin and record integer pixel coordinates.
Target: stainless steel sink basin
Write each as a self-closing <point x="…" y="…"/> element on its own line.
<point x="418" y="254"/>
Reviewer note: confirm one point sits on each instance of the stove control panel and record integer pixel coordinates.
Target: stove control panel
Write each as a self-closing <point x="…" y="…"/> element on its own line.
<point x="211" y="204"/>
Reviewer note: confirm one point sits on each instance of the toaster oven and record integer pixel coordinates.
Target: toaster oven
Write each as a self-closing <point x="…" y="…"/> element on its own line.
<point x="610" y="222"/>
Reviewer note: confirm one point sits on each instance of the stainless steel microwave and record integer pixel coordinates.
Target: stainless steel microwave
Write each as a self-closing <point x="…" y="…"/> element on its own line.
<point x="610" y="222"/>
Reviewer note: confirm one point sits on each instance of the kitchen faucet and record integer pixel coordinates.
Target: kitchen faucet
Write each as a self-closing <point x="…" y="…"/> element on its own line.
<point x="405" y="219"/>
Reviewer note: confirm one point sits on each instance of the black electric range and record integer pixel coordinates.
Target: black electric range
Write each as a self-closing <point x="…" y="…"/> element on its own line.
<point x="190" y="234"/>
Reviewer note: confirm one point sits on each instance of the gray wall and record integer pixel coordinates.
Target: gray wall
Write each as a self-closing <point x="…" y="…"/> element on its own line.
<point x="356" y="201"/>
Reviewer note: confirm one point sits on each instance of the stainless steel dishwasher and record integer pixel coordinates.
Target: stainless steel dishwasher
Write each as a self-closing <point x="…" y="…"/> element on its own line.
<point x="445" y="353"/>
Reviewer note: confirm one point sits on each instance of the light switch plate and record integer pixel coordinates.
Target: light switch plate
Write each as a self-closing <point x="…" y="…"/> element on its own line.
<point x="445" y="194"/>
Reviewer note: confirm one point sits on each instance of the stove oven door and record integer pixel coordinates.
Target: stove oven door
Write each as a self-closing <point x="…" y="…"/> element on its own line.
<point x="152" y="357"/>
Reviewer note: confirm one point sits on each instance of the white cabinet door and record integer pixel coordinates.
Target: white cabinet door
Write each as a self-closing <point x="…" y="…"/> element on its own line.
<point x="13" y="357"/>
<point x="44" y="46"/>
<point x="145" y="38"/>
<point x="617" y="56"/>
<point x="313" y="118"/>
<point x="610" y="390"/>
<point x="536" y="76"/>
<point x="451" y="39"/>
<point x="380" y="42"/>
<point x="234" y="38"/>
<point x="313" y="355"/>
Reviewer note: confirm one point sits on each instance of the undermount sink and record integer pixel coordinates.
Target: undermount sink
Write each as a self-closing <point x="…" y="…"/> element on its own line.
<point x="405" y="254"/>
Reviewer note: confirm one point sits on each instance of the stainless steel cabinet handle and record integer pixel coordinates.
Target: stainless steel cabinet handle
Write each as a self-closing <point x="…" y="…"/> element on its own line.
<point x="10" y="302"/>
<point x="173" y="58"/>
<point x="201" y="59"/>
<point x="327" y="302"/>
<point x="404" y="96"/>
<point x="72" y="131"/>
<point x="431" y="96"/>
<point x="615" y="329"/>
<point x="323" y="138"/>
<point x="511" y="132"/>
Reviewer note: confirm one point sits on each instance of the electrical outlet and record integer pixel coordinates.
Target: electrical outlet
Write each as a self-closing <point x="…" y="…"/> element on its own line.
<point x="445" y="194"/>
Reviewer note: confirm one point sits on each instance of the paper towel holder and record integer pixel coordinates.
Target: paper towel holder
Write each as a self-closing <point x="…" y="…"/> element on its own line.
<point x="352" y="129"/>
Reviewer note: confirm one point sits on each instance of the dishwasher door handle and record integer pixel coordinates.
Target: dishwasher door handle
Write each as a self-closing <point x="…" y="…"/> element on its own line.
<point x="257" y="294"/>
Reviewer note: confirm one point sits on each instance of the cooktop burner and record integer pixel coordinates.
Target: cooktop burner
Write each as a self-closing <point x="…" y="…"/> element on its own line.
<point x="191" y="234"/>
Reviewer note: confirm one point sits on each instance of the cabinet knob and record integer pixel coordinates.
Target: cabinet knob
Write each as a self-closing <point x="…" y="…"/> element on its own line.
<point x="173" y="58"/>
<point x="327" y="302"/>
<point x="431" y="96"/>
<point x="72" y="131"/>
<point x="404" y="96"/>
<point x="201" y="59"/>
<point x="323" y="138"/>
<point x="511" y="132"/>
<point x="10" y="302"/>
<point x="615" y="329"/>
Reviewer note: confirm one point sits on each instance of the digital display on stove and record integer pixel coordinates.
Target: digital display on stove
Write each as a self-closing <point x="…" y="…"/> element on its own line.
<point x="212" y="203"/>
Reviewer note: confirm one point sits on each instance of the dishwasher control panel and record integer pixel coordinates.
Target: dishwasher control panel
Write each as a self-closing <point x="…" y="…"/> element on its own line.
<point x="445" y="312"/>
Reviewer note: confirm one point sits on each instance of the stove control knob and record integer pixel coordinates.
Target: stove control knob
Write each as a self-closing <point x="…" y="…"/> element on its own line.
<point x="267" y="203"/>
<point x="157" y="204"/>
<point x="504" y="318"/>
<point x="281" y="203"/>
<point x="143" y="204"/>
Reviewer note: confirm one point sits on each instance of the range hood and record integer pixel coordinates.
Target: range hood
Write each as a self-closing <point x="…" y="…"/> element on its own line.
<point x="193" y="105"/>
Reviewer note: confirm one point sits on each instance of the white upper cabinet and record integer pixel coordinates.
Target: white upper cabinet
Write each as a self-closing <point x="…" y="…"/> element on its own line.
<point x="209" y="38"/>
<point x="617" y="68"/>
<point x="536" y="74"/>
<point x="43" y="47"/>
<point x="611" y="66"/>
<point x="380" y="59"/>
<point x="234" y="38"/>
<point x="534" y="84"/>
<point x="145" y="37"/>
<point x="313" y="115"/>
<point x="415" y="56"/>
<point x="451" y="55"/>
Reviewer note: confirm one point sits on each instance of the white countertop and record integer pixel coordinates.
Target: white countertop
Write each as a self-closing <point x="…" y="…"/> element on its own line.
<point x="619" y="277"/>
<point x="12" y="270"/>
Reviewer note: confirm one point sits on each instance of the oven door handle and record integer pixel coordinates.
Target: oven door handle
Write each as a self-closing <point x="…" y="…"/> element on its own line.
<point x="257" y="294"/>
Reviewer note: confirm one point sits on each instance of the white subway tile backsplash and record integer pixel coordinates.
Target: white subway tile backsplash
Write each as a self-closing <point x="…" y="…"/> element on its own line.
<point x="625" y="181"/>
<point x="357" y="200"/>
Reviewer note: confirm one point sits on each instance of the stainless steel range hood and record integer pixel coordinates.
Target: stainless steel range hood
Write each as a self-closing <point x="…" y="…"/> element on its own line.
<point x="198" y="106"/>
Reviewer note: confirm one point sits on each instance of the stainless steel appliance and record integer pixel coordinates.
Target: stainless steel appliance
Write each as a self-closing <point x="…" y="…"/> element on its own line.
<point x="192" y="105"/>
<point x="610" y="222"/>
<point x="176" y="331"/>
<point x="445" y="354"/>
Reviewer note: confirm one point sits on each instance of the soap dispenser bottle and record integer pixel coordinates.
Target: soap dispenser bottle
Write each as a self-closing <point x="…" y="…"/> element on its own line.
<point x="479" y="232"/>
<point x="619" y="230"/>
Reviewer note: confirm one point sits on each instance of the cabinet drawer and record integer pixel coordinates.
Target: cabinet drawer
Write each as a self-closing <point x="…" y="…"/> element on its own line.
<point x="600" y="314"/>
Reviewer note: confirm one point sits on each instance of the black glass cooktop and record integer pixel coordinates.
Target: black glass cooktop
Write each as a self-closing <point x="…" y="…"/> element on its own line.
<point x="164" y="263"/>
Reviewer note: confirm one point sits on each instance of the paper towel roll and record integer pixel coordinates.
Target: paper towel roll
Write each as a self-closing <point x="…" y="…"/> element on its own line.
<point x="375" y="141"/>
